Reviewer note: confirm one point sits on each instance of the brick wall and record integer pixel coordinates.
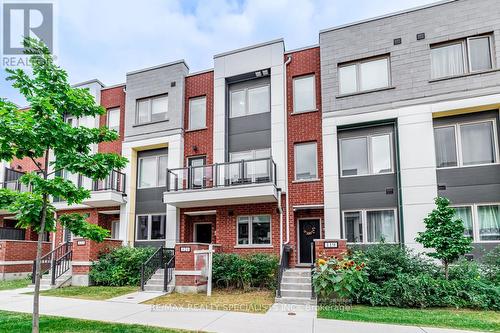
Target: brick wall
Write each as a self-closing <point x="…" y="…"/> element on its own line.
<point x="324" y="252"/>
<point x="19" y="251"/>
<point x="113" y="98"/>
<point x="85" y="251"/>
<point x="197" y="86"/>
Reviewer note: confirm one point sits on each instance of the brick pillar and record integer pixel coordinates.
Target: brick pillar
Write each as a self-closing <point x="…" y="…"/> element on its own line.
<point x="188" y="277"/>
<point x="330" y="247"/>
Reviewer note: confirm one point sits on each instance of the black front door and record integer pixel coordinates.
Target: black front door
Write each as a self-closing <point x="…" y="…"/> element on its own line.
<point x="308" y="232"/>
<point x="203" y="233"/>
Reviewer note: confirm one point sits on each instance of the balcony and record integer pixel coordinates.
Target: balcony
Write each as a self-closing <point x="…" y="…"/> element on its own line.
<point x="231" y="183"/>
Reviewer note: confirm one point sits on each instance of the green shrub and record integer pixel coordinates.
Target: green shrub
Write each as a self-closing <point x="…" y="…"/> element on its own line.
<point x="232" y="270"/>
<point x="120" y="267"/>
<point x="491" y="265"/>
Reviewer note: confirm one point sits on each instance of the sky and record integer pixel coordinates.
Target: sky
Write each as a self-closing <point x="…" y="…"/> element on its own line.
<point x="105" y="39"/>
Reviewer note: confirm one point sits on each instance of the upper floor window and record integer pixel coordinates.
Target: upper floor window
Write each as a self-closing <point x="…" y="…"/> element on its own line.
<point x="465" y="144"/>
<point x="197" y="112"/>
<point x="304" y="94"/>
<point x="152" y="109"/>
<point x="306" y="161"/>
<point x="248" y="101"/>
<point x="364" y="75"/>
<point x="114" y="119"/>
<point x="153" y="171"/>
<point x="367" y="155"/>
<point x="461" y="56"/>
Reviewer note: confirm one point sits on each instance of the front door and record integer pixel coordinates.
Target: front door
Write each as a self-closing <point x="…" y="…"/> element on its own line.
<point x="203" y="233"/>
<point x="196" y="172"/>
<point x="309" y="230"/>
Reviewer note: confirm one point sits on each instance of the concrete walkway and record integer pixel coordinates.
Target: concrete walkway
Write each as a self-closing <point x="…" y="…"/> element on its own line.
<point x="279" y="319"/>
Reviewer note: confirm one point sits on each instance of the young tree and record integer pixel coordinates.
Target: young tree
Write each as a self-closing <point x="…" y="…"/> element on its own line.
<point x="39" y="132"/>
<point x="445" y="234"/>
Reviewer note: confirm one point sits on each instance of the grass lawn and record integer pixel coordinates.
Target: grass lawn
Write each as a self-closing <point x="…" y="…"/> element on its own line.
<point x="14" y="284"/>
<point x="92" y="292"/>
<point x="226" y="300"/>
<point x="14" y="322"/>
<point x="450" y="318"/>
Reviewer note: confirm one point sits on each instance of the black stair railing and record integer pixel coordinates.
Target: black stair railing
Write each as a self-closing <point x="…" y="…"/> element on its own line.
<point x="57" y="261"/>
<point x="169" y="272"/>
<point x="158" y="259"/>
<point x="285" y="257"/>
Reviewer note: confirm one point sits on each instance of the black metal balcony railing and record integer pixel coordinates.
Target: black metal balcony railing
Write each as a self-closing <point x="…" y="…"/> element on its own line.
<point x="258" y="171"/>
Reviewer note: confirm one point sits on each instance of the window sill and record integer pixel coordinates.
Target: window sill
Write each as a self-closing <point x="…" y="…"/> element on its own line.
<point x="464" y="75"/>
<point x="195" y="129"/>
<point x="295" y="113"/>
<point x="299" y="181"/>
<point x="364" y="92"/>
<point x="151" y="123"/>
<point x="150" y="240"/>
<point x="368" y="175"/>
<point x="468" y="166"/>
<point x="253" y="246"/>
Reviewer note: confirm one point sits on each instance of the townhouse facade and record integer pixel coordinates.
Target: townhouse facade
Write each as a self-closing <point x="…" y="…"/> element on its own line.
<point x="350" y="139"/>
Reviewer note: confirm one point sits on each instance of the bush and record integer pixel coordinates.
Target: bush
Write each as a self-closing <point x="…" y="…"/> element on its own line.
<point x="120" y="267"/>
<point x="256" y="270"/>
<point x="491" y="265"/>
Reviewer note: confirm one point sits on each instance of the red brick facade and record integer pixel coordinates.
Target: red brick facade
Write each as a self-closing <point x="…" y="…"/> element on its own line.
<point x="21" y="251"/>
<point x="113" y="98"/>
<point x="86" y="251"/>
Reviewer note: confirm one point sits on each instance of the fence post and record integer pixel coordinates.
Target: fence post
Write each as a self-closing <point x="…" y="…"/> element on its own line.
<point x="53" y="271"/>
<point x="142" y="277"/>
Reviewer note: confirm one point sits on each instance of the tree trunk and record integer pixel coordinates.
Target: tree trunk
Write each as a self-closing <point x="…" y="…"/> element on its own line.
<point x="446" y="269"/>
<point x="38" y="275"/>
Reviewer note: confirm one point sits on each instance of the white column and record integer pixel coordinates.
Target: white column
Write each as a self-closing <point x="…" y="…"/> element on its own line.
<point x="331" y="180"/>
<point x="175" y="160"/>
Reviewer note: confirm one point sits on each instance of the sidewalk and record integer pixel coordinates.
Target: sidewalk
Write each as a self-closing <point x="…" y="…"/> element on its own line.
<point x="275" y="320"/>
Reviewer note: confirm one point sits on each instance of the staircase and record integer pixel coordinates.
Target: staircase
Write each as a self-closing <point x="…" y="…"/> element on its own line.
<point x="157" y="280"/>
<point x="157" y="272"/>
<point x="296" y="287"/>
<point x="61" y="281"/>
<point x="57" y="263"/>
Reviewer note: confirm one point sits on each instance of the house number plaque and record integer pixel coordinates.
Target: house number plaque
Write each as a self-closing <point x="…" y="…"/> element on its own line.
<point x="331" y="245"/>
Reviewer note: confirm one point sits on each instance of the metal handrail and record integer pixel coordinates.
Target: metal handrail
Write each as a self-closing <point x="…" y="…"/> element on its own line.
<point x="169" y="272"/>
<point x="285" y="257"/>
<point x="154" y="262"/>
<point x="115" y="181"/>
<point x="57" y="260"/>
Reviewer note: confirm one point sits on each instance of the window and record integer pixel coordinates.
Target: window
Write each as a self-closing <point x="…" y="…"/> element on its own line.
<point x="466" y="144"/>
<point x="115" y="230"/>
<point x="462" y="56"/>
<point x="151" y="227"/>
<point x="250" y="101"/>
<point x="254" y="230"/>
<point x="481" y="221"/>
<point x="114" y="119"/>
<point x="255" y="171"/>
<point x="306" y="162"/>
<point x="152" y="109"/>
<point x="364" y="75"/>
<point x="304" y="94"/>
<point x="153" y="171"/>
<point x="370" y="226"/>
<point x="197" y="172"/>
<point x="368" y="155"/>
<point x="197" y="113"/>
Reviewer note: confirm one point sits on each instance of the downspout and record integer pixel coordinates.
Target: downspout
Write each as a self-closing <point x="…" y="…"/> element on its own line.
<point x="280" y="211"/>
<point x="288" y="61"/>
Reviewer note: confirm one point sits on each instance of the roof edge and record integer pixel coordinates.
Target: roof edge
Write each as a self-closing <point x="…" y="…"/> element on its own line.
<point x="246" y="48"/>
<point x="180" y="61"/>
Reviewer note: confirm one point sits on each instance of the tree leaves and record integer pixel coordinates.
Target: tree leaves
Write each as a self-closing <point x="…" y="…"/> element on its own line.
<point x="78" y="225"/>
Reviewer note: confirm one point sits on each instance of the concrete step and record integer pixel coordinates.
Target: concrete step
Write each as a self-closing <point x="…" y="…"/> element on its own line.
<point x="295" y="300"/>
<point x="155" y="282"/>
<point x="150" y="287"/>
<point x="297" y="273"/>
<point x="296" y="286"/>
<point x="300" y="279"/>
<point x="296" y="293"/>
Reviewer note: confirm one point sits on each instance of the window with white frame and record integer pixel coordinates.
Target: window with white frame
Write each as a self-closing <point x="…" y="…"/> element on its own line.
<point x="481" y="221"/>
<point x="153" y="171"/>
<point x="152" y="109"/>
<point x="151" y="227"/>
<point x="114" y="119"/>
<point x="462" y="56"/>
<point x="364" y="75"/>
<point x="304" y="93"/>
<point x="248" y="101"/>
<point x="370" y="226"/>
<point x="257" y="165"/>
<point x="465" y="144"/>
<point x="254" y="230"/>
<point x="366" y="155"/>
<point x="197" y="112"/>
<point x="306" y="161"/>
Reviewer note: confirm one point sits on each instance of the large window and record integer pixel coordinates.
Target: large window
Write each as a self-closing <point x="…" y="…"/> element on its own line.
<point x="152" y="109"/>
<point x="151" y="227"/>
<point x="197" y="112"/>
<point x="367" y="155"/>
<point x="481" y="221"/>
<point x="114" y="119"/>
<point x="254" y="230"/>
<point x="153" y="171"/>
<point x="370" y="226"/>
<point x="304" y="94"/>
<point x="250" y="101"/>
<point x="306" y="161"/>
<point x="466" y="144"/>
<point x="462" y="56"/>
<point x="364" y="75"/>
<point x="256" y="168"/>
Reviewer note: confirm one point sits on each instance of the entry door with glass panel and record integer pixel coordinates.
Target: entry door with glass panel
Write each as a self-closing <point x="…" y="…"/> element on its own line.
<point x="309" y="230"/>
<point x="196" y="172"/>
<point x="255" y="168"/>
<point x="203" y="233"/>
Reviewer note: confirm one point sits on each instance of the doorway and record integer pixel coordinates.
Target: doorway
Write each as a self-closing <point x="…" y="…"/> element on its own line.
<point x="203" y="232"/>
<point x="309" y="230"/>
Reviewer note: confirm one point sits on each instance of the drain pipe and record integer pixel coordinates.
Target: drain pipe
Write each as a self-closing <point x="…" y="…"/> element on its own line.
<point x="280" y="211"/>
<point x="287" y="204"/>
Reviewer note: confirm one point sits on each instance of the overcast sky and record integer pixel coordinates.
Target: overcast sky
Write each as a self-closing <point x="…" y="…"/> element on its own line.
<point x="104" y="39"/>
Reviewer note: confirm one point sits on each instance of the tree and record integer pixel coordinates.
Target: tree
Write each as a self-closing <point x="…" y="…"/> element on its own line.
<point x="39" y="132"/>
<point x="445" y="234"/>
